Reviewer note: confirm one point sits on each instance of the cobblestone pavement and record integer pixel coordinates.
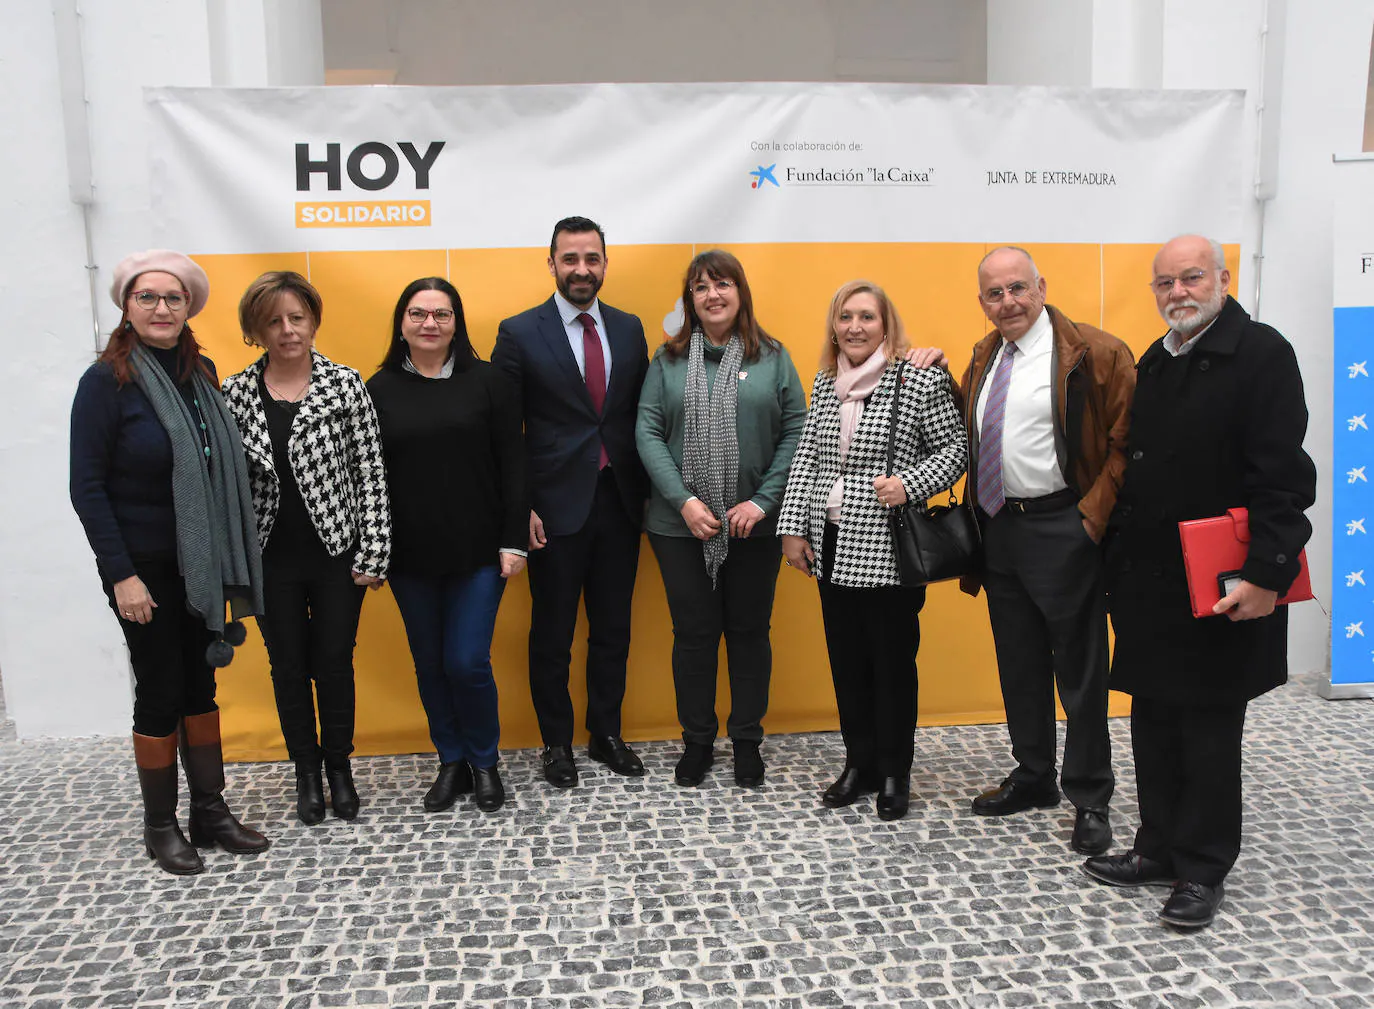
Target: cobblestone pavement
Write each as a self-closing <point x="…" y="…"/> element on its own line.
<point x="636" y="892"/>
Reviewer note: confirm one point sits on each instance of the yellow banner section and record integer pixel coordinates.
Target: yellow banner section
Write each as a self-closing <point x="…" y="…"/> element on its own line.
<point x="364" y="214"/>
<point x="935" y="289"/>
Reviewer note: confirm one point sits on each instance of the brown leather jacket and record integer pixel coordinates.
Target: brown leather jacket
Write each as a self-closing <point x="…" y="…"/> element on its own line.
<point x="1094" y="380"/>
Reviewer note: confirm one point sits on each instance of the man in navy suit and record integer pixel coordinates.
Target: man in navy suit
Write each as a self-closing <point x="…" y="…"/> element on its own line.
<point x="579" y="366"/>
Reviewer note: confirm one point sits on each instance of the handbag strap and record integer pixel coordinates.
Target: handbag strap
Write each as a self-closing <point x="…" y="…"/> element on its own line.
<point x="892" y="423"/>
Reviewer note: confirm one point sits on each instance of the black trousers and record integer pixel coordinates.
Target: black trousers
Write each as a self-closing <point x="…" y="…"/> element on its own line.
<point x="310" y="625"/>
<point x="596" y="564"/>
<point x="1187" y="768"/>
<point x="172" y="676"/>
<point x="872" y="636"/>
<point x="740" y="607"/>
<point x="1045" y="581"/>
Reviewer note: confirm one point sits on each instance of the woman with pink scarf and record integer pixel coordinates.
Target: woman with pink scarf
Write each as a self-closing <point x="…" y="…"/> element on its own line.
<point x="834" y="527"/>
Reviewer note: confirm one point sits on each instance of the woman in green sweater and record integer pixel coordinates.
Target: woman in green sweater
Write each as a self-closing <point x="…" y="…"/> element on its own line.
<point x="719" y="418"/>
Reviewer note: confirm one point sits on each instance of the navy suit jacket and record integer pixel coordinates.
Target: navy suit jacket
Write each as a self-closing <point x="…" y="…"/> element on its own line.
<point x="563" y="433"/>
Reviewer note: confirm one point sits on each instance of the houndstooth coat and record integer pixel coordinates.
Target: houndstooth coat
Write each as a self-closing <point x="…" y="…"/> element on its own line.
<point x="930" y="454"/>
<point x="336" y="457"/>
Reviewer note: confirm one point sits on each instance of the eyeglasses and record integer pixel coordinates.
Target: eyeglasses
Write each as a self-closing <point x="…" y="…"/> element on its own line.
<point x="148" y="300"/>
<point x="995" y="295"/>
<point x="1190" y="279"/>
<point x="721" y="286"/>
<point x="442" y="316"/>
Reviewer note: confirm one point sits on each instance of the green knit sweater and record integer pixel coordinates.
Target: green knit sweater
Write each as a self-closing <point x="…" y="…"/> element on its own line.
<point x="769" y="420"/>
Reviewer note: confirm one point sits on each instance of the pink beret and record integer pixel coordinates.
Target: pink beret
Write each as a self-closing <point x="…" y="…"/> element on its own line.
<point x="185" y="269"/>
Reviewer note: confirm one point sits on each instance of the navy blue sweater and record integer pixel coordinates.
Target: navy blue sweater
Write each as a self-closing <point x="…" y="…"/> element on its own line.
<point x="121" y="470"/>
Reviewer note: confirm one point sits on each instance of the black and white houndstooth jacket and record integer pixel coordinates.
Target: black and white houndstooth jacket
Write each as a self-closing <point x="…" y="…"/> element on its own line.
<point x="930" y="454"/>
<point x="336" y="458"/>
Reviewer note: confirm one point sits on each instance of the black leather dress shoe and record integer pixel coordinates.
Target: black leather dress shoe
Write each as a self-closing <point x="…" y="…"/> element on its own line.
<point x="560" y="770"/>
<point x="846" y="789"/>
<point x="487" y="788"/>
<point x="454" y="779"/>
<point x="1092" y="830"/>
<point x="1128" y="869"/>
<point x="696" y="760"/>
<point x="894" y="797"/>
<point x="1191" y="905"/>
<point x="1013" y="796"/>
<point x="612" y="751"/>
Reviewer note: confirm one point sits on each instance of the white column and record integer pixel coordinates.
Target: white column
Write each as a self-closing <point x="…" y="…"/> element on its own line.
<point x="1040" y="42"/>
<point x="265" y="43"/>
<point x="1128" y="43"/>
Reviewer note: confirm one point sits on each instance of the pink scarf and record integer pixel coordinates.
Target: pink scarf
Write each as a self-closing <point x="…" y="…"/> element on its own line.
<point x="854" y="383"/>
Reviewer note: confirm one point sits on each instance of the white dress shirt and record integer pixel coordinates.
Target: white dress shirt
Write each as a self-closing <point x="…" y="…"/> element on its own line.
<point x="569" y="312"/>
<point x="1177" y="346"/>
<point x="1030" y="464"/>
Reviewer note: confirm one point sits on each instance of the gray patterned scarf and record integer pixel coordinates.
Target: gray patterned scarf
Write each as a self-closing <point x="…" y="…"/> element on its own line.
<point x="710" y="442"/>
<point x="217" y="534"/>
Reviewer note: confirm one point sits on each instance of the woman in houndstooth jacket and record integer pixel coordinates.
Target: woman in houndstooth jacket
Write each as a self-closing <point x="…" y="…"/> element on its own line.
<point x="320" y="495"/>
<point x="834" y="526"/>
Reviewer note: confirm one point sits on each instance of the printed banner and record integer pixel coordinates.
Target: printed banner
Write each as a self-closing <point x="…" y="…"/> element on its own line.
<point x="366" y="189"/>
<point x="1352" y="504"/>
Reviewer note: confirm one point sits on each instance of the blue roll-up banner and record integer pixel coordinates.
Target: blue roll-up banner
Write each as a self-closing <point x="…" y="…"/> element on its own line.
<point x="1352" y="496"/>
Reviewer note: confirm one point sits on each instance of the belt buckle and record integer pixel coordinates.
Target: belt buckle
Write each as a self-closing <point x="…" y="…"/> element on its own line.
<point x="1019" y="506"/>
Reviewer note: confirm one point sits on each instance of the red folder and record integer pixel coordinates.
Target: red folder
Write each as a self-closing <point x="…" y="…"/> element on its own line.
<point x="1213" y="546"/>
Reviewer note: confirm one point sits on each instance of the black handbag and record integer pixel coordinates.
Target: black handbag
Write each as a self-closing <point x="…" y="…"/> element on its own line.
<point x="932" y="544"/>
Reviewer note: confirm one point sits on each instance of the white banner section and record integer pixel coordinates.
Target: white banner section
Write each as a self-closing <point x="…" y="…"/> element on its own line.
<point x="305" y="169"/>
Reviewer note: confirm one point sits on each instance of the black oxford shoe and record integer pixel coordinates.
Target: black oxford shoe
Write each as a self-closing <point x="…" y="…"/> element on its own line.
<point x="487" y="789"/>
<point x="560" y="770"/>
<point x="1191" y="905"/>
<point x="1092" y="830"/>
<point x="894" y="797"/>
<point x="1129" y="869"/>
<point x="692" y="766"/>
<point x="612" y="751"/>
<point x="454" y="779"/>
<point x="1013" y="796"/>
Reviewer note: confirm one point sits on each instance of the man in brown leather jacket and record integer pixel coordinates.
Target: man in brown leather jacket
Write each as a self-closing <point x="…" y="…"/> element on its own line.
<point x="1046" y="402"/>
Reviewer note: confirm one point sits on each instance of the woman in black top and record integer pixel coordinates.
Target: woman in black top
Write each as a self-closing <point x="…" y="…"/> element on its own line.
<point x="319" y="492"/>
<point x="451" y="436"/>
<point x="159" y="483"/>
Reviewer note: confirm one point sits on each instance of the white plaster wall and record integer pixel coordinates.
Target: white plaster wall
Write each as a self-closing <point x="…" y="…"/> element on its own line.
<point x="1040" y="42"/>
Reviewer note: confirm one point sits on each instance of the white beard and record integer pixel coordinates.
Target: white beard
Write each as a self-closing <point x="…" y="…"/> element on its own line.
<point x="1206" y="312"/>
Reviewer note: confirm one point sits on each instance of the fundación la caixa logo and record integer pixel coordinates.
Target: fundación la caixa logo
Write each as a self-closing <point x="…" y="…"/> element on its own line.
<point x="766" y="176"/>
<point x="372" y="166"/>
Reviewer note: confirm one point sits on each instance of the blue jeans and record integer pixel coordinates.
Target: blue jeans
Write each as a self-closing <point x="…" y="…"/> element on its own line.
<point x="449" y="622"/>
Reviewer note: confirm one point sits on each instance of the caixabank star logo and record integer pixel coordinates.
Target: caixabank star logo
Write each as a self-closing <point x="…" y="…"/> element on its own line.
<point x="762" y="174"/>
<point x="371" y="166"/>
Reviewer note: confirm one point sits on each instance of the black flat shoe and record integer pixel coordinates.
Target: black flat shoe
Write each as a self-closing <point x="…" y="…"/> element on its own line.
<point x="1013" y="796"/>
<point x="560" y="770"/>
<point x="487" y="788"/>
<point x="454" y="779"/>
<point x="309" y="794"/>
<point x="1092" y="830"/>
<point x="612" y="751"/>
<point x="696" y="760"/>
<point x="343" y="796"/>
<point x="894" y="798"/>
<point x="1191" y="905"/>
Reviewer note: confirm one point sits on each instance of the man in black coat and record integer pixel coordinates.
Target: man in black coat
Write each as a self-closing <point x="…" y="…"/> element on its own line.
<point x="579" y="365"/>
<point x="1217" y="423"/>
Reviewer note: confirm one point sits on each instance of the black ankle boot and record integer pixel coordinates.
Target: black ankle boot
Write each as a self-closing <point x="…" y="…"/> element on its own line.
<point x="696" y="760"/>
<point x="309" y="793"/>
<point x="894" y="797"/>
<point x="749" y="768"/>
<point x="157" y="780"/>
<point x="343" y="796"/>
<point x="487" y="788"/>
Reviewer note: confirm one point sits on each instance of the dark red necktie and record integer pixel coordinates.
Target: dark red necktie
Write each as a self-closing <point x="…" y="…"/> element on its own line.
<point x="595" y="372"/>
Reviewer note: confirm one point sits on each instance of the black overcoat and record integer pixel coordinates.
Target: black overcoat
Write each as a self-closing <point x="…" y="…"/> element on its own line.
<point x="1221" y="427"/>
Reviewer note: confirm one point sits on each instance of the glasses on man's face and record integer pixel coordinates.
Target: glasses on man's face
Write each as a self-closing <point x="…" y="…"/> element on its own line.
<point x="702" y="288"/>
<point x="442" y="316"/>
<point x="148" y="300"/>
<point x="996" y="295"/>
<point x="1189" y="279"/>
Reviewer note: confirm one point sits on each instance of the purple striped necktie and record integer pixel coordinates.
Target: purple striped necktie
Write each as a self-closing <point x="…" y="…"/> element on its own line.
<point x="991" y="494"/>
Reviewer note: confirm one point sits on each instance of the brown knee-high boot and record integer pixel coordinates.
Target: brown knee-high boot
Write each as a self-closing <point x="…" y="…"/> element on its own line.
<point x="210" y="819"/>
<point x="157" y="779"/>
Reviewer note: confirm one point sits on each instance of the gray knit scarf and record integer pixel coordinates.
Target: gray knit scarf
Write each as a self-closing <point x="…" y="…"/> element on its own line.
<point x="710" y="443"/>
<point x="217" y="534"/>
